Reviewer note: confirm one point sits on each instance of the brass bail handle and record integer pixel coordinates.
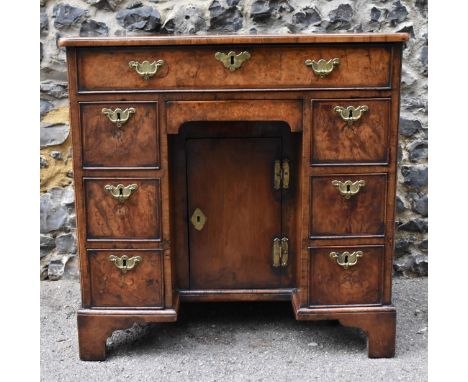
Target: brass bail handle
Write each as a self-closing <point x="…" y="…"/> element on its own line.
<point x="322" y="68"/>
<point x="146" y="69"/>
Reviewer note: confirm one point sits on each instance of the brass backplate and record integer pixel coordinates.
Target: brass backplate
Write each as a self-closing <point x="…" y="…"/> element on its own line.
<point x="322" y="68"/>
<point x="346" y="259"/>
<point x="231" y="60"/>
<point x="198" y="219"/>
<point x="125" y="263"/>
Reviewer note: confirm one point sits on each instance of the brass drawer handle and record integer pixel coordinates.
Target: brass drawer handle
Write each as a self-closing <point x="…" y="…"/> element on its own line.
<point x="118" y="116"/>
<point x="121" y="192"/>
<point x="125" y="263"/>
<point x="146" y="69"/>
<point x="348" y="188"/>
<point x="351" y="114"/>
<point x="346" y="259"/>
<point x="231" y="60"/>
<point x="322" y="68"/>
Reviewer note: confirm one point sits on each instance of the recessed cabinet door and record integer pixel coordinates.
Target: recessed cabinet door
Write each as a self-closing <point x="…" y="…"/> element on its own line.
<point x="234" y="213"/>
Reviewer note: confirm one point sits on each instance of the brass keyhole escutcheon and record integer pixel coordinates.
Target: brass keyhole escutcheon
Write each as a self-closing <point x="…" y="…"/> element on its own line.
<point x="351" y="114"/>
<point x="348" y="188"/>
<point x="125" y="263"/>
<point x="121" y="192"/>
<point x="198" y="219"/>
<point x="118" y="116"/>
<point x="346" y="259"/>
<point x="231" y="60"/>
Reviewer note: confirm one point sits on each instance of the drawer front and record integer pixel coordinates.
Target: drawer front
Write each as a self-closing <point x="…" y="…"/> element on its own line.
<point x="350" y="131"/>
<point x="334" y="213"/>
<point x="120" y="138"/>
<point x="334" y="284"/>
<point x="110" y="217"/>
<point x="196" y="67"/>
<point x="126" y="278"/>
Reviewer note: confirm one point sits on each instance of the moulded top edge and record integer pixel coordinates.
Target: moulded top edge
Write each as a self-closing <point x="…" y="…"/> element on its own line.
<point x="317" y="38"/>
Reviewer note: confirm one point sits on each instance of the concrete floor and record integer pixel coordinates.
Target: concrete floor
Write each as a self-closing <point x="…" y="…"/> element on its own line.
<point x="233" y="342"/>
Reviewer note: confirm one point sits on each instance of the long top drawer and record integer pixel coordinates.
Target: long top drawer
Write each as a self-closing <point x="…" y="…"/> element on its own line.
<point x="262" y="67"/>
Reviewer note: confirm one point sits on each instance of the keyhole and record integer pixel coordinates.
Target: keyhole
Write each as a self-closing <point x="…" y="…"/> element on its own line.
<point x="118" y="116"/>
<point x="348" y="188"/>
<point x="124" y="262"/>
<point x="350" y="114"/>
<point x="198" y="219"/>
<point x="120" y="192"/>
<point x="346" y="259"/>
<point x="232" y="60"/>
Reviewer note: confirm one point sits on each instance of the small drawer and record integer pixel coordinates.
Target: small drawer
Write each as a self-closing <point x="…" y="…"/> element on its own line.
<point x="346" y="275"/>
<point x="350" y="131"/>
<point x="347" y="205"/>
<point x="126" y="278"/>
<point x="120" y="134"/>
<point x="123" y="209"/>
<point x="177" y="68"/>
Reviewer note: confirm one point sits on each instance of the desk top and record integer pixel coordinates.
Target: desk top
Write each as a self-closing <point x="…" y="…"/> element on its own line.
<point x="216" y="39"/>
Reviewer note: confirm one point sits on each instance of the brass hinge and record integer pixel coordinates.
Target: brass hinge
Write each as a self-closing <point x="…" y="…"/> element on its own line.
<point x="281" y="174"/>
<point x="280" y="252"/>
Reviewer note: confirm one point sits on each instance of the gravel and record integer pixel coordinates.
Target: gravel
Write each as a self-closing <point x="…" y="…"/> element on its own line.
<point x="234" y="342"/>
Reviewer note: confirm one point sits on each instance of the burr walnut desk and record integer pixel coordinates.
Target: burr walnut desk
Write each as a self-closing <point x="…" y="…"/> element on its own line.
<point x="235" y="168"/>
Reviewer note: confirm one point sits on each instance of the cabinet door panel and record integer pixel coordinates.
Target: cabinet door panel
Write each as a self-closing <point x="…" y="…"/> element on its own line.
<point x="231" y="181"/>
